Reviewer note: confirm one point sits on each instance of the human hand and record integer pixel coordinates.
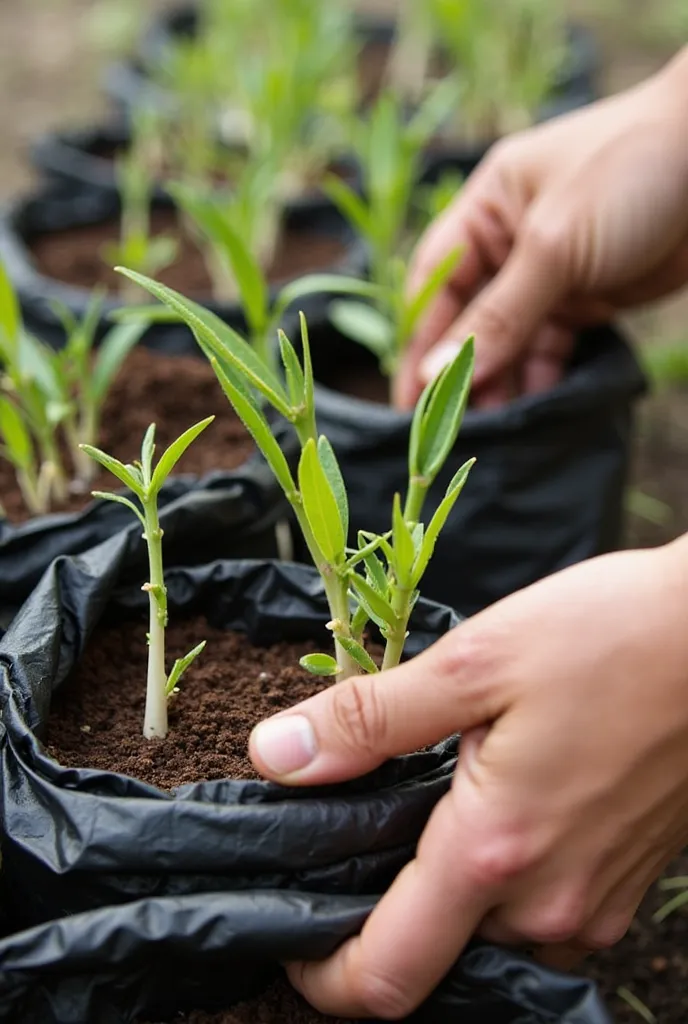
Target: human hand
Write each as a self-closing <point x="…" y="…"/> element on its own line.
<point x="571" y="791"/>
<point x="562" y="225"/>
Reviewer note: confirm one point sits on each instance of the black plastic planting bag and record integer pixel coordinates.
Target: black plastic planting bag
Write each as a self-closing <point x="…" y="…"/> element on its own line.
<point x="149" y="960"/>
<point x="229" y="514"/>
<point x="548" y="486"/>
<point x="74" y="839"/>
<point x="57" y="208"/>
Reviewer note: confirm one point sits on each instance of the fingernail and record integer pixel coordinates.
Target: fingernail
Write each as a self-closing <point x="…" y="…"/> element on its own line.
<point x="437" y="359"/>
<point x="285" y="745"/>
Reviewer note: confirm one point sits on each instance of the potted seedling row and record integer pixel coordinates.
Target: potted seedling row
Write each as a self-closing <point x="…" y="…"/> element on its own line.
<point x="220" y="499"/>
<point x="117" y="807"/>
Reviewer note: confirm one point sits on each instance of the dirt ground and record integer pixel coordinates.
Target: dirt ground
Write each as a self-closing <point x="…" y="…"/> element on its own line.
<point x="52" y="55"/>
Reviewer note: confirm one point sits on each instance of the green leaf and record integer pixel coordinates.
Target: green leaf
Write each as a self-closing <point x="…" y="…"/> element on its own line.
<point x="404" y="548"/>
<point x="323" y="284"/>
<point x="113" y="350"/>
<point x="308" y="386"/>
<point x="352" y="207"/>
<point x="437" y="108"/>
<point x="258" y="427"/>
<point x="436" y="280"/>
<point x="320" y="505"/>
<point x="10" y="316"/>
<point x="171" y="457"/>
<point x="216" y="336"/>
<point x="41" y="364"/>
<point x="366" y="325"/>
<point x="147" y="449"/>
<point x="328" y="461"/>
<point x="319" y="664"/>
<point x="439" y="414"/>
<point x="358" y="653"/>
<point x="120" y="500"/>
<point x="296" y="384"/>
<point x="438" y="520"/>
<point x="181" y="665"/>
<point x="379" y="606"/>
<point x="214" y="223"/>
<point x="123" y="473"/>
<point x="155" y="314"/>
<point x="17" y="439"/>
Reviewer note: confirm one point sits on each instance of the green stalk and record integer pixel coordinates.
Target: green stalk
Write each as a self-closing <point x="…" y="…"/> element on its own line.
<point x="51" y="462"/>
<point x="155" y="717"/>
<point x="29" y="488"/>
<point x="415" y="499"/>
<point x="396" y="638"/>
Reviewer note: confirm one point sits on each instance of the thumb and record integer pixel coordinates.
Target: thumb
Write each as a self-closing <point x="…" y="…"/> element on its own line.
<point x="357" y="724"/>
<point x="508" y="311"/>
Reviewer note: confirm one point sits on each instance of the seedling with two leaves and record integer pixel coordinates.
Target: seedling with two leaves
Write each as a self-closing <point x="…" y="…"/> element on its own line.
<point x="145" y="481"/>
<point x="51" y="400"/>
<point x="378" y="580"/>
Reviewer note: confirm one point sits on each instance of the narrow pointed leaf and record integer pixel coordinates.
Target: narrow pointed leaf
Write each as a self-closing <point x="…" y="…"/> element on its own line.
<point x="352" y="207"/>
<point x="328" y="461"/>
<point x="154" y="314"/>
<point x="147" y="449"/>
<point x="319" y="664"/>
<point x="296" y="384"/>
<point x="419" y="304"/>
<point x="181" y="665"/>
<point x="114" y="349"/>
<point x="323" y="284"/>
<point x="123" y="473"/>
<point x="16" y="437"/>
<point x="403" y="546"/>
<point x="10" y="317"/>
<point x="171" y="457"/>
<point x="258" y="427"/>
<point x="365" y="325"/>
<point x="443" y="414"/>
<point x="439" y="519"/>
<point x="358" y="653"/>
<point x="220" y="339"/>
<point x="379" y="605"/>
<point x="359" y="620"/>
<point x="320" y="505"/>
<point x="120" y="500"/>
<point x="309" y="385"/>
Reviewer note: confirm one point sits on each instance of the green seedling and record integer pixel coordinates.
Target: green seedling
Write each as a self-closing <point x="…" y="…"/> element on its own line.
<point x="679" y="886"/>
<point x="637" y="1005"/>
<point x="144" y="481"/>
<point x="505" y="55"/>
<point x="377" y="580"/>
<point x="138" y="171"/>
<point x="51" y="401"/>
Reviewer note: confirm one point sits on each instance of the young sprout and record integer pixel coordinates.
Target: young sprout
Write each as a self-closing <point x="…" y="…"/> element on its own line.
<point x="145" y="480"/>
<point x="138" y="172"/>
<point x="378" y="579"/>
<point x="52" y="400"/>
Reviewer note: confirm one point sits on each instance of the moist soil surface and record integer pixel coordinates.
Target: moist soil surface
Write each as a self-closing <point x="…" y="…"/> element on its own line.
<point x="279" y="1005"/>
<point x="75" y="255"/>
<point x="96" y="720"/>
<point x="174" y="392"/>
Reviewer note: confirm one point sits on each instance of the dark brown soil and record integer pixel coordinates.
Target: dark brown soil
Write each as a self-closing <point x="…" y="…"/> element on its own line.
<point x="279" y="1005"/>
<point x="96" y="720"/>
<point x="370" y="384"/>
<point x="651" y="962"/>
<point x="174" y="392"/>
<point x="75" y="256"/>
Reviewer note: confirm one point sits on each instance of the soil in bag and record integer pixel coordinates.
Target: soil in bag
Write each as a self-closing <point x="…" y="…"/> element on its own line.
<point x="174" y="392"/>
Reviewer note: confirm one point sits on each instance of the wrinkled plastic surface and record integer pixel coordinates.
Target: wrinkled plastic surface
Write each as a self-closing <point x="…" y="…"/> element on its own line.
<point x="228" y="514"/>
<point x="151" y="959"/>
<point x="78" y="839"/>
<point x="57" y="207"/>
<point x="548" y="486"/>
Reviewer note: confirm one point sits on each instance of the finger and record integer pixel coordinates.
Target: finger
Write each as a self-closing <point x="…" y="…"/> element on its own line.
<point x="547" y="358"/>
<point x="355" y="725"/>
<point x="507" y="312"/>
<point x="391" y="968"/>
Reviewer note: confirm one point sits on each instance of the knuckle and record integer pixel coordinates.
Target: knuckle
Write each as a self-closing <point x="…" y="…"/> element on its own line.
<point x="560" y="921"/>
<point x="545" y="237"/>
<point x="383" y="997"/>
<point x="605" y="933"/>
<point x="358" y="716"/>
<point x="465" y="654"/>
<point x="499" y="860"/>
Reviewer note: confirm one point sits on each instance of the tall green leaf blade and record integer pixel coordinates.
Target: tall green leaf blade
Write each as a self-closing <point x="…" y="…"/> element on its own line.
<point x="113" y="350"/>
<point x="404" y="548"/>
<point x="320" y="505"/>
<point x="180" y="667"/>
<point x="122" y="472"/>
<point x="438" y="521"/>
<point x="309" y="384"/>
<point x="258" y="427"/>
<point x="222" y="341"/>
<point x="329" y="463"/>
<point x="358" y="653"/>
<point x="16" y="436"/>
<point x="324" y="284"/>
<point x="444" y="412"/>
<point x="349" y="204"/>
<point x="10" y="316"/>
<point x="379" y="606"/>
<point x="296" y="383"/>
<point x="415" y="307"/>
<point x="147" y="449"/>
<point x="171" y="457"/>
<point x="365" y="325"/>
<point x="119" y="499"/>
